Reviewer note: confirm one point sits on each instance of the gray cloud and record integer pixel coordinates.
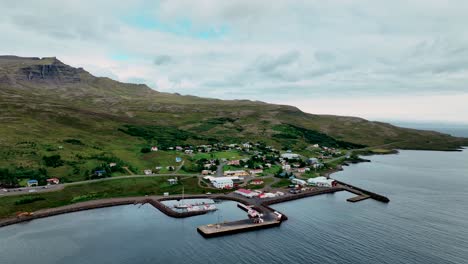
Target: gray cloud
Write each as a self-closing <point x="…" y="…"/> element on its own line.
<point x="309" y="47"/>
<point x="163" y="60"/>
<point x="268" y="64"/>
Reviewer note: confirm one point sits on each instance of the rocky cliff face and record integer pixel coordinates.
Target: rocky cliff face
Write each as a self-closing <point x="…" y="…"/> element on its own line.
<point x="14" y="70"/>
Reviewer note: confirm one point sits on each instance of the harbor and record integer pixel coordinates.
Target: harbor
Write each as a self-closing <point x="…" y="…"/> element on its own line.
<point x="258" y="211"/>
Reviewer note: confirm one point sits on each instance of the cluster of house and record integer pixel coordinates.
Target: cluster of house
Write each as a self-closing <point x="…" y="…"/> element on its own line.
<point x="214" y="147"/>
<point x="262" y="195"/>
<point x="326" y="152"/>
<point x="50" y="181"/>
<point x="288" y="166"/>
<point x="243" y="173"/>
<point x="158" y="168"/>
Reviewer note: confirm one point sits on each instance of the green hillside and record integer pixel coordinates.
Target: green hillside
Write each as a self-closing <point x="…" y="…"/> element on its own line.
<point x="50" y="109"/>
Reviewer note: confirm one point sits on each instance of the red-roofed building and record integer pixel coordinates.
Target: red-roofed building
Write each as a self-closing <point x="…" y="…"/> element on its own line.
<point x="256" y="182"/>
<point x="247" y="193"/>
<point x="53" y="181"/>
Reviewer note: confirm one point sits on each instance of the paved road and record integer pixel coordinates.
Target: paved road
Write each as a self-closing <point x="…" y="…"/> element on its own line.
<point x="219" y="169"/>
<point x="57" y="187"/>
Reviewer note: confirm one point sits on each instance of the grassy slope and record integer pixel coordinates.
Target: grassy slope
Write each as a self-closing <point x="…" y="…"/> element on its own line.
<point x="98" y="190"/>
<point x="46" y="111"/>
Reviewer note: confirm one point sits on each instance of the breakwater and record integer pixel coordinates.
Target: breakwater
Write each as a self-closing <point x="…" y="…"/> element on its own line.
<point x="360" y="191"/>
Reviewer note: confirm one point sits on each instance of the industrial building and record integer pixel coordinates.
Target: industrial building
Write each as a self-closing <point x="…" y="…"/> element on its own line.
<point x="321" y="182"/>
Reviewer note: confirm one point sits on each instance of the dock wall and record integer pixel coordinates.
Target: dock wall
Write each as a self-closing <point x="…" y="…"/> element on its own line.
<point x="372" y="195"/>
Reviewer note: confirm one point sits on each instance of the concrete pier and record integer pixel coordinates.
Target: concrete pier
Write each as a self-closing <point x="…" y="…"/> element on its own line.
<point x="213" y="230"/>
<point x="361" y="192"/>
<point x="358" y="198"/>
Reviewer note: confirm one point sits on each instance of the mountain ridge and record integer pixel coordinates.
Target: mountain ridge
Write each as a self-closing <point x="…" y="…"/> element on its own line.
<point x="46" y="102"/>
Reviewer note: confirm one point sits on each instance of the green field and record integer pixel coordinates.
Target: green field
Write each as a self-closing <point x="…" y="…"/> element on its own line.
<point x="281" y="184"/>
<point x="229" y="155"/>
<point x="139" y="186"/>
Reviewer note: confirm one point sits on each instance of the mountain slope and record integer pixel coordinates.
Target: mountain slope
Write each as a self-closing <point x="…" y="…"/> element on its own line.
<point x="45" y="102"/>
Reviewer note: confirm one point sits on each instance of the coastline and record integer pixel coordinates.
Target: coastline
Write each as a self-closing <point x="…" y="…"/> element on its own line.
<point x="117" y="201"/>
<point x="262" y="205"/>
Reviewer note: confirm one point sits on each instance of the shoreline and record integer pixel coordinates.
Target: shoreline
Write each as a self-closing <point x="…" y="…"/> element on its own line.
<point x="262" y="205"/>
<point x="155" y="200"/>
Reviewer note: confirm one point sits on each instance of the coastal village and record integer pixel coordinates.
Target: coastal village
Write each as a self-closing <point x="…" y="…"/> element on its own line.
<point x="253" y="174"/>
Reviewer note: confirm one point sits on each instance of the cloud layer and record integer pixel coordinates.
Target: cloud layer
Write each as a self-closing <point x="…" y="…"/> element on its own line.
<point x="298" y="52"/>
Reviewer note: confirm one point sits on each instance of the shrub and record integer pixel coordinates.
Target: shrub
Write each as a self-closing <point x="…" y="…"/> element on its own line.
<point x="53" y="161"/>
<point x="28" y="200"/>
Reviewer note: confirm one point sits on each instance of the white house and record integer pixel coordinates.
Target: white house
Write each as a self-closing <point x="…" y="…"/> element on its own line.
<point x="286" y="167"/>
<point x="172" y="181"/>
<point x="154" y="148"/>
<point x="321" y="182"/>
<point x="317" y="165"/>
<point x="148" y="172"/>
<point x="256" y="171"/>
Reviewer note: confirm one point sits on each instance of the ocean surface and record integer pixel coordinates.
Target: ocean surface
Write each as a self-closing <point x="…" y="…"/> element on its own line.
<point x="426" y="221"/>
<point x="457" y="130"/>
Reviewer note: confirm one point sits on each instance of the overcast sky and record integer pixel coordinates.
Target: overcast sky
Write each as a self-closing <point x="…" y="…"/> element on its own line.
<point x="382" y="60"/>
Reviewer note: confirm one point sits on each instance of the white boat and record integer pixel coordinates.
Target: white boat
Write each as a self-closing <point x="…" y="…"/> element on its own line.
<point x="197" y="208"/>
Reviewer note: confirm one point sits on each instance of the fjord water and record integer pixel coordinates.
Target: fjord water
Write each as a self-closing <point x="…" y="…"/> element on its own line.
<point x="425" y="222"/>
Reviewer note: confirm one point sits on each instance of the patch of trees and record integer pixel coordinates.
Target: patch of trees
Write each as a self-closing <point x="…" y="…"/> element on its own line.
<point x="73" y="141"/>
<point x="9" y="178"/>
<point x="292" y="132"/>
<point x="145" y="150"/>
<point x="53" y="161"/>
<point x="28" y="200"/>
<point x="164" y="136"/>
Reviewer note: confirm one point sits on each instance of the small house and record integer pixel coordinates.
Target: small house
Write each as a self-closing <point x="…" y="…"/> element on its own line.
<point x="100" y="173"/>
<point x="148" y="172"/>
<point x="172" y="181"/>
<point x="154" y="148"/>
<point x="301" y="170"/>
<point x="206" y="172"/>
<point x="234" y="162"/>
<point x="256" y="182"/>
<point x="32" y="183"/>
<point x="178" y="159"/>
<point x="53" y="181"/>
<point x="256" y="171"/>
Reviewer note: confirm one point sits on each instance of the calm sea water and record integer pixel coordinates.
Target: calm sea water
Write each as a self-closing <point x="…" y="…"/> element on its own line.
<point x="425" y="222"/>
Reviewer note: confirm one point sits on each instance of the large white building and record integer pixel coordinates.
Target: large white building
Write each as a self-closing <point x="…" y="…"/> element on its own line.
<point x="290" y="156"/>
<point x="321" y="182"/>
<point x="298" y="182"/>
<point x="222" y="183"/>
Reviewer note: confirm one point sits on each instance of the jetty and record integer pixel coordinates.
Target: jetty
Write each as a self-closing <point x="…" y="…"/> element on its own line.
<point x="213" y="230"/>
